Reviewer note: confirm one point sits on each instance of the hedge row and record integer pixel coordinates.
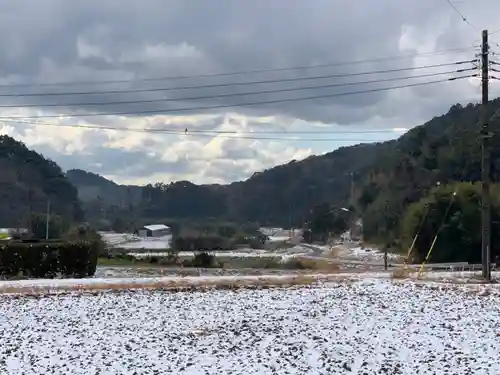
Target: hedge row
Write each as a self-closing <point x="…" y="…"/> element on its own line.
<point x="49" y="259"/>
<point x="208" y="242"/>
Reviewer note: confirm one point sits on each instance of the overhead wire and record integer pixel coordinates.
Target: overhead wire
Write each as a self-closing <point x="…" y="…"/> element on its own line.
<point x="232" y="94"/>
<point x="235" y="134"/>
<point x="454" y="7"/>
<point x="245" y="72"/>
<point x="242" y="83"/>
<point x="211" y="131"/>
<point x="466" y="20"/>
<point x="242" y="104"/>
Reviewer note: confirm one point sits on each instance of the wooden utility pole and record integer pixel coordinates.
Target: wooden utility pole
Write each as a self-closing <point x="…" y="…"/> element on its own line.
<point x="485" y="164"/>
<point x="30" y="209"/>
<point x="386" y="245"/>
<point x="47" y="221"/>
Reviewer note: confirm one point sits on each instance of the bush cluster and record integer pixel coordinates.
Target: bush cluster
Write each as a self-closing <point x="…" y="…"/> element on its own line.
<point x="48" y="259"/>
<point x="201" y="242"/>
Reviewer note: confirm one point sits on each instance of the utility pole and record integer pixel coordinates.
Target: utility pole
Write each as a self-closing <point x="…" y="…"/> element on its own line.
<point x="351" y="190"/>
<point x="30" y="209"/>
<point x="485" y="163"/>
<point x="386" y="234"/>
<point x="47" y="223"/>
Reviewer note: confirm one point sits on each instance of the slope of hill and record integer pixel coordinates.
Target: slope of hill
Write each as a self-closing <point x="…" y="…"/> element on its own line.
<point x="28" y="181"/>
<point x="382" y="179"/>
<point x="443" y="150"/>
<point x="92" y="186"/>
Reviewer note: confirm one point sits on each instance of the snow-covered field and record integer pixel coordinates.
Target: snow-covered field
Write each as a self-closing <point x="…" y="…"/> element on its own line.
<point x="227" y="254"/>
<point x="133" y="242"/>
<point x="364" y="253"/>
<point x="352" y="251"/>
<point x="365" y="327"/>
<point x="153" y="243"/>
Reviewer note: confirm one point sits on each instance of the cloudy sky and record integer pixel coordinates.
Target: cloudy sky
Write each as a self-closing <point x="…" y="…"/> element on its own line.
<point x="158" y="74"/>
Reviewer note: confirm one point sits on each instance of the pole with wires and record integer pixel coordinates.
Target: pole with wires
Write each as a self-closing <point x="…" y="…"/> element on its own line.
<point x="443" y="222"/>
<point x="485" y="164"/>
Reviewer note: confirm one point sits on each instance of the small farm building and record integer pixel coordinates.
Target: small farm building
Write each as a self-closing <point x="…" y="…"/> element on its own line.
<point x="154" y="230"/>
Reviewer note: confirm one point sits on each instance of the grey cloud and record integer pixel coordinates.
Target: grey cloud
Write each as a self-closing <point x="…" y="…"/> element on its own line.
<point x="60" y="40"/>
<point x="227" y="36"/>
<point x="108" y="161"/>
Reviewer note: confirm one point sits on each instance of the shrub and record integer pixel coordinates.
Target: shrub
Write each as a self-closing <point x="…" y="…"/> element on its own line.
<point x="204" y="260"/>
<point x="48" y="259"/>
<point x="200" y="241"/>
<point x="457" y="220"/>
<point x="201" y="260"/>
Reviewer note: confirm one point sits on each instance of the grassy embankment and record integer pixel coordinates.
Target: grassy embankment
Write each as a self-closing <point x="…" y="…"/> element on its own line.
<point x="219" y="262"/>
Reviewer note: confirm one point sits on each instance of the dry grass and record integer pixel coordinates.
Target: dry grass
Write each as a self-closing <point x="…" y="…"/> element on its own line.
<point x="335" y="252"/>
<point x="403" y="273"/>
<point x="320" y="265"/>
<point x="175" y="285"/>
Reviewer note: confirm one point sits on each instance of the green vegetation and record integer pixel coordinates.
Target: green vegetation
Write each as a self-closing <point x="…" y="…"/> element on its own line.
<point x="27" y="182"/>
<point x="324" y="221"/>
<point x="459" y="218"/>
<point x="48" y="259"/>
<point x="207" y="260"/>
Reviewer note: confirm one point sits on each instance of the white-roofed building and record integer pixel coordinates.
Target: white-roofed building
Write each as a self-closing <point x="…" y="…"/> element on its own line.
<point x="154" y="230"/>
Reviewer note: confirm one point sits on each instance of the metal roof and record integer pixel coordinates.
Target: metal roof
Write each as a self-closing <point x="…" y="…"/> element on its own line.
<point x="154" y="227"/>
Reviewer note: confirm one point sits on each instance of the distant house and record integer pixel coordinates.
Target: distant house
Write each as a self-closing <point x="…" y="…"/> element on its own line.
<point x="154" y="230"/>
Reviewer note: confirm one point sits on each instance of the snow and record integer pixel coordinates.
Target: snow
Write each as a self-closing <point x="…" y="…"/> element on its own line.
<point x="278" y="238"/>
<point x="131" y="241"/>
<point x="152" y="243"/>
<point x="115" y="239"/>
<point x="465" y="280"/>
<point x="364" y="327"/>
<point x="348" y="250"/>
<point x="364" y="253"/>
<point x="226" y="254"/>
<point x="155" y="227"/>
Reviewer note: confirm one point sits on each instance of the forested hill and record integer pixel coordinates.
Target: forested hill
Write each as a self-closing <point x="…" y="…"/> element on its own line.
<point x="280" y="195"/>
<point x="386" y="178"/>
<point x="28" y="179"/>
<point x="443" y="150"/>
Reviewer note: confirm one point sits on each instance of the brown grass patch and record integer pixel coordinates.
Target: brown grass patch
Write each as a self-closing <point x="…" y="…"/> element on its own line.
<point x="335" y="252"/>
<point x="319" y="265"/>
<point x="403" y="273"/>
<point x="173" y="285"/>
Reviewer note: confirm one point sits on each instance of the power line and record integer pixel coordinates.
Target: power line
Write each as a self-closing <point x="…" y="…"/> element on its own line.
<point x="494" y="32"/>
<point x="227" y="95"/>
<point x="243" y="104"/>
<point x="201" y="131"/>
<point x="244" y="83"/>
<point x="212" y="134"/>
<point x="255" y="71"/>
<point x="453" y="6"/>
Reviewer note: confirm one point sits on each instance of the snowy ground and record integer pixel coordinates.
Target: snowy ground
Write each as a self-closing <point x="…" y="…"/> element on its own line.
<point x="202" y="280"/>
<point x="365" y="327"/>
<point x="367" y="253"/>
<point x="133" y="242"/>
<point x="152" y="271"/>
<point x="354" y="251"/>
<point x="153" y="243"/>
<point x="229" y="254"/>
